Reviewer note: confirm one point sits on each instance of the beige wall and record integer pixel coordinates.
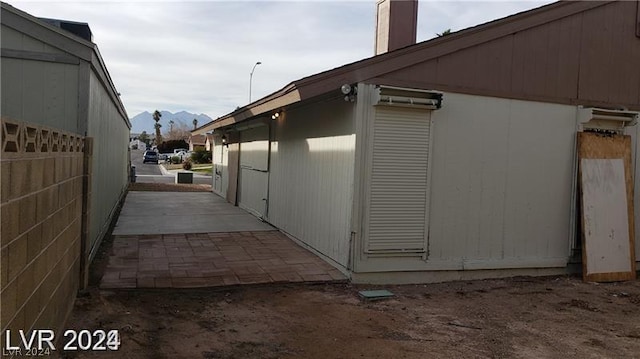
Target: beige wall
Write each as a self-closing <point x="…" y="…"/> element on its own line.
<point x="311" y="176"/>
<point x="501" y="184"/>
<point x="38" y="91"/>
<point x="41" y="214"/>
<point x="110" y="159"/>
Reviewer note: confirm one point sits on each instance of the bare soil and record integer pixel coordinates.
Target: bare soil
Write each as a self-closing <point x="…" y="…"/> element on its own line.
<point x="552" y="317"/>
<point x="522" y="317"/>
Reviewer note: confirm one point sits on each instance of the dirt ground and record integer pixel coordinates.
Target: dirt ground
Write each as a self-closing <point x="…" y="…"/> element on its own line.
<point x="555" y="317"/>
<point x="524" y="317"/>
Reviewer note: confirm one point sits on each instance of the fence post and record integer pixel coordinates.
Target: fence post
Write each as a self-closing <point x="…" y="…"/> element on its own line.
<point x="85" y="245"/>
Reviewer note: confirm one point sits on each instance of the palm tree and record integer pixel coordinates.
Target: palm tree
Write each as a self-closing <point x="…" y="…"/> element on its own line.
<point x="156" y="117"/>
<point x="444" y="33"/>
<point x="171" y="125"/>
<point x="158" y="135"/>
<point x="195" y="123"/>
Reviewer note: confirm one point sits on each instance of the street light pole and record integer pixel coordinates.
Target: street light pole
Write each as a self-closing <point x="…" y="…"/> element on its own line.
<point x="251" y="78"/>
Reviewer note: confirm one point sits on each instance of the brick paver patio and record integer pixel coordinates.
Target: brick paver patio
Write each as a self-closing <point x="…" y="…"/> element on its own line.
<point x="211" y="259"/>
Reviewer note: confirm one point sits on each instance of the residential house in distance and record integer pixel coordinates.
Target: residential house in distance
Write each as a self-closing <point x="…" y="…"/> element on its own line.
<point x="135" y="143"/>
<point x="65" y="134"/>
<point x="208" y="145"/>
<point x="453" y="158"/>
<point x="197" y="142"/>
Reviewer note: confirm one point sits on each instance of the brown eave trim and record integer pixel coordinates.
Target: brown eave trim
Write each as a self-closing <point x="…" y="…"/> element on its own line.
<point x="638" y="19"/>
<point x="273" y="105"/>
<point x="465" y="38"/>
<point x="372" y="67"/>
<point x="40" y="56"/>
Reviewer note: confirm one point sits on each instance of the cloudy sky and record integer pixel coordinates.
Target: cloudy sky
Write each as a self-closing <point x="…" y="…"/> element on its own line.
<point x="197" y="55"/>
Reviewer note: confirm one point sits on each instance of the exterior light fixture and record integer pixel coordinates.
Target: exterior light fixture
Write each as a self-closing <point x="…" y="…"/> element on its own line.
<point x="224" y="141"/>
<point x="275" y="116"/>
<point x="349" y="92"/>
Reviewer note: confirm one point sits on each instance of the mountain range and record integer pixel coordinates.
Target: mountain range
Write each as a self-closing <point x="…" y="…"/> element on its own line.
<point x="144" y="121"/>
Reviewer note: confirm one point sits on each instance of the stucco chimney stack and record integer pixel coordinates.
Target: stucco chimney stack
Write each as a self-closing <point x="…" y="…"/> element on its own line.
<point x="396" y="24"/>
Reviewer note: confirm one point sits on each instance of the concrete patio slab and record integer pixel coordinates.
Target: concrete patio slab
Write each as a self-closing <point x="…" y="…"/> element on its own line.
<point x="146" y="213"/>
<point x="211" y="260"/>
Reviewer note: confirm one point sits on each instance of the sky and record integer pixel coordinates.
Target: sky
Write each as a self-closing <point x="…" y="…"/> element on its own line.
<point x="197" y="56"/>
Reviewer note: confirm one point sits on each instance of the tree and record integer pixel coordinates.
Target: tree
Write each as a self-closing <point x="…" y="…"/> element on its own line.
<point x="195" y="123"/>
<point x="171" y="125"/>
<point x="144" y="137"/>
<point x="156" y="117"/>
<point x="158" y="135"/>
<point x="444" y="33"/>
<point x="170" y="145"/>
<point x="179" y="131"/>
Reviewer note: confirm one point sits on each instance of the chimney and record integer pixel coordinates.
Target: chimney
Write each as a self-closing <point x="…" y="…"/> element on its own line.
<point x="396" y="24"/>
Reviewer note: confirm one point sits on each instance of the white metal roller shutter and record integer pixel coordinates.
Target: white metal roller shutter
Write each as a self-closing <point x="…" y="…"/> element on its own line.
<point x="399" y="181"/>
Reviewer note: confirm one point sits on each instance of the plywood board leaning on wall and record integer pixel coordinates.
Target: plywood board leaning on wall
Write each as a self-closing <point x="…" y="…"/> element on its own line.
<point x="606" y="196"/>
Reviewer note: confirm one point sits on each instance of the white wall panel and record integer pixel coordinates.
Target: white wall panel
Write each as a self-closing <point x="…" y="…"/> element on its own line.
<point x="254" y="165"/>
<point x="218" y="168"/>
<point x="606" y="216"/>
<point x="311" y="184"/>
<point x="110" y="157"/>
<point x="13" y="39"/>
<point x="252" y="194"/>
<point x="254" y="148"/>
<point x="501" y="181"/>
<point x="635" y="153"/>
<point x="39" y="92"/>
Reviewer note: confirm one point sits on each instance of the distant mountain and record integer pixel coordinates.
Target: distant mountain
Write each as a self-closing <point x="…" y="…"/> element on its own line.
<point x="144" y="121"/>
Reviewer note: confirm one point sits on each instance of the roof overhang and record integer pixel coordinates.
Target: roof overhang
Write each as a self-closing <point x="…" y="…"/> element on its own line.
<point x="75" y="47"/>
<point x="369" y="70"/>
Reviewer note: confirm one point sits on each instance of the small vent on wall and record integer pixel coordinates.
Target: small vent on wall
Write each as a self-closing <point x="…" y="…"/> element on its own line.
<point x="600" y="120"/>
<point x="405" y="97"/>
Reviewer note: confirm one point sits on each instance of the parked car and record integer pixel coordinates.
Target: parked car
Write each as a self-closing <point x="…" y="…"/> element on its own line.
<point x="150" y="156"/>
<point x="182" y="154"/>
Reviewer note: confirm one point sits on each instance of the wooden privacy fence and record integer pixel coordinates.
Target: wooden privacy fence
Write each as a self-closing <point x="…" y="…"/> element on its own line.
<point x="44" y="173"/>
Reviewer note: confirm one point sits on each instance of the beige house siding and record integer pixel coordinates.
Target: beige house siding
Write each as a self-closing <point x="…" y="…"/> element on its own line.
<point x="501" y="186"/>
<point x="110" y="159"/>
<point x="311" y="176"/>
<point x="54" y="89"/>
<point x="38" y="91"/>
<point x="41" y="205"/>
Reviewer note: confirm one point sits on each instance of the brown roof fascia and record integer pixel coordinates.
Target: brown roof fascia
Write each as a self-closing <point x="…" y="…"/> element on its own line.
<point x="373" y="67"/>
<point x="638" y="20"/>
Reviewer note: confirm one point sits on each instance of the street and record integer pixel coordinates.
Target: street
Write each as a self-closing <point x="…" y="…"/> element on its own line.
<point x="145" y="169"/>
<point x="151" y="173"/>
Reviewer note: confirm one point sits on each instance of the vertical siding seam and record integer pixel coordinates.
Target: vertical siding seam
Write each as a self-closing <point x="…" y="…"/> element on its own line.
<point x="580" y="57"/>
<point x="506" y="182"/>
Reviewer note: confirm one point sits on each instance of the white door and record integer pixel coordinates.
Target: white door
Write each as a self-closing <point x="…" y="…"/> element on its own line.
<point x="220" y="173"/>
<point x="254" y="170"/>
